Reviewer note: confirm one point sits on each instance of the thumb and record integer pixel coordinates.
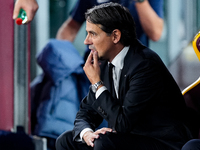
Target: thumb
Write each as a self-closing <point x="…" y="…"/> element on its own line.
<point x="16" y="12"/>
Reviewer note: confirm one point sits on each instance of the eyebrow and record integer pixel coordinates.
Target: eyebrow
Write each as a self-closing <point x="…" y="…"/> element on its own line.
<point x="91" y="32"/>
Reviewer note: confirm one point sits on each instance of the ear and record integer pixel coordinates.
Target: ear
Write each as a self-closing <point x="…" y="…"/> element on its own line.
<point x="116" y="35"/>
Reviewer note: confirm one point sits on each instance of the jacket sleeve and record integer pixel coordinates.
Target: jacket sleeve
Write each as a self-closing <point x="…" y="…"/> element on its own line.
<point x="86" y="117"/>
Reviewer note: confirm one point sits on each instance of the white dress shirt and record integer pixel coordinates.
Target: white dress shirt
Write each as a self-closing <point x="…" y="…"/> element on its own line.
<point x="118" y="63"/>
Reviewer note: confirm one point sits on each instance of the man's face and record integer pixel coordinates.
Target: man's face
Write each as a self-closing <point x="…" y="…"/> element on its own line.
<point x="99" y="41"/>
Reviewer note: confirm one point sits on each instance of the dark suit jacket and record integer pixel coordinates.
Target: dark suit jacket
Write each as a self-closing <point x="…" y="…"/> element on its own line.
<point x="150" y="102"/>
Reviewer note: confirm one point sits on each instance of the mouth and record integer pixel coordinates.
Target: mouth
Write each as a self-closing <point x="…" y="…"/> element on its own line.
<point x="91" y="47"/>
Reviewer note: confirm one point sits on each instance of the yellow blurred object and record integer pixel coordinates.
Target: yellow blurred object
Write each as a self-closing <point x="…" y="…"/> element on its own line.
<point x="191" y="93"/>
<point x="196" y="44"/>
<point x="194" y="84"/>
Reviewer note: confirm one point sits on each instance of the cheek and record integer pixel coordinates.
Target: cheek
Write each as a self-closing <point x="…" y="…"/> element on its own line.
<point x="98" y="44"/>
<point x="103" y="42"/>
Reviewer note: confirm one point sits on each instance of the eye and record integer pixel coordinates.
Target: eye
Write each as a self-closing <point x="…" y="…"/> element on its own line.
<point x="93" y="34"/>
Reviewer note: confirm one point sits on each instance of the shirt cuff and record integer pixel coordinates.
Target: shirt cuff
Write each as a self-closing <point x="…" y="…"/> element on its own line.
<point x="99" y="91"/>
<point x="83" y="132"/>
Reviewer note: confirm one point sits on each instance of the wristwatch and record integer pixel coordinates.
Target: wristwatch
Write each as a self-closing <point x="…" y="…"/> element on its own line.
<point x="95" y="86"/>
<point x="139" y="1"/>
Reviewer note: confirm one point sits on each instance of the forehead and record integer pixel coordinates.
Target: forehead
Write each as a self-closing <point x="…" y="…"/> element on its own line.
<point x="93" y="27"/>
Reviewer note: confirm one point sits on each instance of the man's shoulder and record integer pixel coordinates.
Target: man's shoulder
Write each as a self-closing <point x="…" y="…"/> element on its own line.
<point x="139" y="53"/>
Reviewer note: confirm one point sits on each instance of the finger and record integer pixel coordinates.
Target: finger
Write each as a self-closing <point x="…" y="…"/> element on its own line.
<point x="103" y="130"/>
<point x="90" y="141"/>
<point x="31" y="13"/>
<point x="89" y="138"/>
<point x="90" y="58"/>
<point x="91" y="144"/>
<point x="95" y="136"/>
<point x="107" y="129"/>
<point x="95" y="58"/>
<point x="16" y="11"/>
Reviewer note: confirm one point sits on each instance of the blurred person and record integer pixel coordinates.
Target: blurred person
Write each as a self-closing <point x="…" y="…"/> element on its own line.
<point x="56" y="92"/>
<point x="148" y="22"/>
<point x="148" y="16"/>
<point x="137" y="95"/>
<point x="30" y="6"/>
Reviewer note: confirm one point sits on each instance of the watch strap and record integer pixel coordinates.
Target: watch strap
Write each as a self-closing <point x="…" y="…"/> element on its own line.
<point x="96" y="85"/>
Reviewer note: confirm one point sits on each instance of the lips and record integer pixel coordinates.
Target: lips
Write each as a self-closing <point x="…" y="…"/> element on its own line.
<point x="91" y="47"/>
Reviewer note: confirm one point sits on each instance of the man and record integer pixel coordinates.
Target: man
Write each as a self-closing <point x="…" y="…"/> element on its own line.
<point x="149" y="23"/>
<point x="147" y="14"/>
<point x="145" y="108"/>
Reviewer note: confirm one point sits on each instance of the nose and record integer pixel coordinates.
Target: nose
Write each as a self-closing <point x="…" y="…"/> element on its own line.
<point x="87" y="40"/>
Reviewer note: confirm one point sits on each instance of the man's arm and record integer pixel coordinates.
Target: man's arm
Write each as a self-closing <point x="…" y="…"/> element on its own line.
<point x="68" y="30"/>
<point x="30" y="6"/>
<point x="151" y="23"/>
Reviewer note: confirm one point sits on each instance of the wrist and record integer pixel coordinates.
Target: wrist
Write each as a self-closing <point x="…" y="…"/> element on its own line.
<point x="96" y="86"/>
<point x="84" y="133"/>
<point x="99" y="86"/>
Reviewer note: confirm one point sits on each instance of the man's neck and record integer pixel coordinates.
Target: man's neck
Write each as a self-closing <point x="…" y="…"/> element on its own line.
<point x="117" y="49"/>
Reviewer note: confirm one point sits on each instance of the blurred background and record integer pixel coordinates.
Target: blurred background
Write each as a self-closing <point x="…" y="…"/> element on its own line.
<point x="181" y="23"/>
<point x="20" y="44"/>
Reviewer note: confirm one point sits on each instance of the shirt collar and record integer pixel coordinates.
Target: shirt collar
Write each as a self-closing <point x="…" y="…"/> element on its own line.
<point x="118" y="61"/>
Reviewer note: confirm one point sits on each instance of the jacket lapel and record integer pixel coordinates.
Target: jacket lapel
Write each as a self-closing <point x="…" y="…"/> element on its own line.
<point x="123" y="77"/>
<point x="128" y="64"/>
<point x="105" y="74"/>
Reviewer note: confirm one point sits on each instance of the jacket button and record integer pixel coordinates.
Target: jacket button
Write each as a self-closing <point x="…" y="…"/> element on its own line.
<point x="99" y="109"/>
<point x="103" y="112"/>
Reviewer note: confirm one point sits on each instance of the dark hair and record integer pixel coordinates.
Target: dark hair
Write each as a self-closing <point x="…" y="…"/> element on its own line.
<point x="113" y="16"/>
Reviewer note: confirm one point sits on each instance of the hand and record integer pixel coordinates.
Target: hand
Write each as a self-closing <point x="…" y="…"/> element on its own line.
<point x="30" y="6"/>
<point x="89" y="136"/>
<point x="103" y="130"/>
<point x="91" y="68"/>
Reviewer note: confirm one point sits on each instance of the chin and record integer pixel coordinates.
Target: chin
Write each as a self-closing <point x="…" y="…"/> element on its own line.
<point x="102" y="58"/>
